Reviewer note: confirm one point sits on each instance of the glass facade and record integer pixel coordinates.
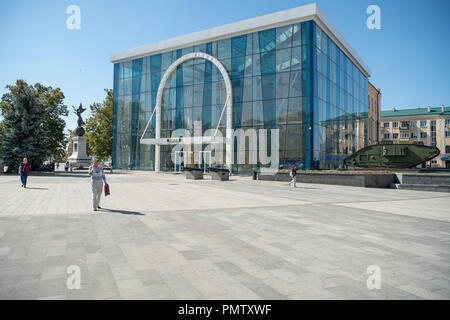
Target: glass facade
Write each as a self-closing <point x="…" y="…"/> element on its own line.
<point x="292" y="78"/>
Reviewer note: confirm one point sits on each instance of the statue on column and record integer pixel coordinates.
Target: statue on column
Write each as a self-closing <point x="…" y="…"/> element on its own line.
<point x="79" y="130"/>
<point x="79" y="158"/>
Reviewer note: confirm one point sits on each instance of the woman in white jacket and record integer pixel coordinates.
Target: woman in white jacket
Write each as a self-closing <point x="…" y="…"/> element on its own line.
<point x="97" y="179"/>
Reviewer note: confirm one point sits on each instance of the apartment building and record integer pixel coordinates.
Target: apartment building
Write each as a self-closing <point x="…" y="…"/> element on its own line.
<point x="429" y="125"/>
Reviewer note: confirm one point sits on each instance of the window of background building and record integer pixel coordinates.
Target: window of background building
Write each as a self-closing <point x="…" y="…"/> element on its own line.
<point x="413" y="135"/>
<point x="447" y="149"/>
<point x="404" y="135"/>
<point x="395" y="136"/>
<point x="413" y="124"/>
<point x="386" y="124"/>
<point x="423" y="134"/>
<point x="386" y="136"/>
<point x="423" y="123"/>
<point x="405" y="123"/>
<point x="447" y="122"/>
<point x="394" y="124"/>
<point x="447" y="134"/>
<point x="433" y="133"/>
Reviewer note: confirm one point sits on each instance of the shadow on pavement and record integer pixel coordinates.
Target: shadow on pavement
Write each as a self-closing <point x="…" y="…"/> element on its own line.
<point x="136" y="213"/>
<point x="32" y="188"/>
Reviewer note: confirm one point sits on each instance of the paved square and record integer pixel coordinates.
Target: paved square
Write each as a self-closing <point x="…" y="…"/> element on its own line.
<point x="163" y="237"/>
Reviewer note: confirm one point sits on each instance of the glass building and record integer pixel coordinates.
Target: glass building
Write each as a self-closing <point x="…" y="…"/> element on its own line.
<point x="290" y="71"/>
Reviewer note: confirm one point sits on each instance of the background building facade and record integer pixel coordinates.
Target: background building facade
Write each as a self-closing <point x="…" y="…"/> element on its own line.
<point x="374" y="117"/>
<point x="297" y="77"/>
<point x="429" y="125"/>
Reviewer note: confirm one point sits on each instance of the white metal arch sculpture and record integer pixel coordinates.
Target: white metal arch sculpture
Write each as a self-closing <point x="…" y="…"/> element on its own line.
<point x="157" y="141"/>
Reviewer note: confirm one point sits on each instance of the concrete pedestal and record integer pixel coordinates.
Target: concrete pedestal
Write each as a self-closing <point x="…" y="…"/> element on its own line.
<point x="79" y="156"/>
<point x="220" y="174"/>
<point x="193" y="173"/>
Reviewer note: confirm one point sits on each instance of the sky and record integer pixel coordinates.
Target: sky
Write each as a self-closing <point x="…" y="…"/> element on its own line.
<point x="408" y="56"/>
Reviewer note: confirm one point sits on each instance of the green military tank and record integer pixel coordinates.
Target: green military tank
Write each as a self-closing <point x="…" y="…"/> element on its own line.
<point x="390" y="155"/>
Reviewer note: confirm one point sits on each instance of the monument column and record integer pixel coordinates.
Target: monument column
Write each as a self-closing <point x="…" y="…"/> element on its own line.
<point x="79" y="157"/>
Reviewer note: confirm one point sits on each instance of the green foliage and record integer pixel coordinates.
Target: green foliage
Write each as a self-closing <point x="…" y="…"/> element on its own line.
<point x="2" y="130"/>
<point x="51" y="102"/>
<point x="23" y="127"/>
<point x="99" y="128"/>
<point x="53" y="126"/>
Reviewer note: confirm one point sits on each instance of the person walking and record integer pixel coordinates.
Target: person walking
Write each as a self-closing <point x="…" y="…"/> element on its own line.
<point x="24" y="171"/>
<point x="293" y="175"/>
<point x="97" y="179"/>
<point x="66" y="167"/>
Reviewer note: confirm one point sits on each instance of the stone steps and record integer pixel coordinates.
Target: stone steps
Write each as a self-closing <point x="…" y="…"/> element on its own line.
<point x="424" y="187"/>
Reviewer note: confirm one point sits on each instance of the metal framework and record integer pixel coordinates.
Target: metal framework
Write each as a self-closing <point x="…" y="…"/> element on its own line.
<point x="158" y="141"/>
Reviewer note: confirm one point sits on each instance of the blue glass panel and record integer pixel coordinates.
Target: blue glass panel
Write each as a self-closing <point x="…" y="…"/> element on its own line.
<point x="295" y="87"/>
<point x="307" y="31"/>
<point x="249" y="47"/>
<point x="137" y="67"/>
<point x="136" y="84"/>
<point x="199" y="73"/>
<point x="267" y="40"/>
<point x="281" y="111"/>
<point x="209" y="48"/>
<point x="238" y="46"/>
<point x="188" y="75"/>
<point x="256" y="65"/>
<point x="127" y="69"/>
<point x="156" y="78"/>
<point x="208" y="71"/>
<point x="255" y="37"/>
<point x="296" y="35"/>
<point x="224" y="48"/>
<point x="284" y="37"/>
<point x="258" y="114"/>
<point x="155" y="63"/>
<point x="247" y="114"/>
<point x="238" y="86"/>
<point x="268" y="62"/>
<point x="282" y="89"/>
<point x="268" y="86"/>
<point x="295" y="110"/>
<point x="207" y="101"/>
<point x="237" y="67"/>
<point x="269" y="112"/>
<point x="283" y="60"/>
<point x="200" y="48"/>
<point x="166" y="60"/>
<point x="237" y="114"/>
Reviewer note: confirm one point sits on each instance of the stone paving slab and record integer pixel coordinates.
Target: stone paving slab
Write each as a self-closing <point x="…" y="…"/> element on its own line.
<point x="160" y="236"/>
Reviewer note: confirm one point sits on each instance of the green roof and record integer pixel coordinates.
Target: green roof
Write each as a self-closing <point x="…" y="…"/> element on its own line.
<point x="415" y="112"/>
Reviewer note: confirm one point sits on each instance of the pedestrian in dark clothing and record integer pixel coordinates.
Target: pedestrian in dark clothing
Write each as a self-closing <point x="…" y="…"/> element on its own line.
<point x="24" y="171"/>
<point x="293" y="175"/>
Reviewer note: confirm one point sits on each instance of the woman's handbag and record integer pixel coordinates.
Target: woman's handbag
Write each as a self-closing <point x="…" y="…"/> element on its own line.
<point x="107" y="193"/>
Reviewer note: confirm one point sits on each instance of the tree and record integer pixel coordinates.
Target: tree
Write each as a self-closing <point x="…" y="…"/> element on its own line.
<point x="23" y="129"/>
<point x="99" y="128"/>
<point x="2" y="130"/>
<point x="51" y="101"/>
<point x="53" y="125"/>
